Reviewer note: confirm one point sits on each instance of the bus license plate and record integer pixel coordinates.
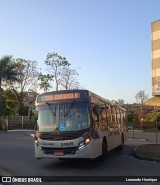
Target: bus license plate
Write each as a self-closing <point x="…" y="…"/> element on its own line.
<point x="59" y="153"/>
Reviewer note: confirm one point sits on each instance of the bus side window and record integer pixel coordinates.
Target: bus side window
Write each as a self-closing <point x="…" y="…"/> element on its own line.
<point x="123" y="117"/>
<point x="103" y="115"/>
<point x="95" y="118"/>
<point x="108" y="112"/>
<point x="95" y="113"/>
<point x="113" y="114"/>
<point x="103" y="118"/>
<point x="120" y="113"/>
<point x="118" y="116"/>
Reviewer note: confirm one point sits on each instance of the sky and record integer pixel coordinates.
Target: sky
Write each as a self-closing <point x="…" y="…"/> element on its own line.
<point x="109" y="40"/>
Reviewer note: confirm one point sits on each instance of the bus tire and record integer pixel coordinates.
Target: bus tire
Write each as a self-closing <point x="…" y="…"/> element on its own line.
<point x="104" y="151"/>
<point x="122" y="142"/>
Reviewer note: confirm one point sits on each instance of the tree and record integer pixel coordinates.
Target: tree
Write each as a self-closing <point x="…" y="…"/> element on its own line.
<point x="8" y="72"/>
<point x="141" y="111"/>
<point x="27" y="80"/>
<point x="141" y="97"/>
<point x="68" y="80"/>
<point x="132" y="116"/>
<point x="9" y="103"/>
<point x="151" y="117"/>
<point x="55" y="63"/>
<point x="45" y="81"/>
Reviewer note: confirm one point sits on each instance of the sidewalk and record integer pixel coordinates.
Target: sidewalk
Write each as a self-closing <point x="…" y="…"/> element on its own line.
<point x="144" y="143"/>
<point x="148" y="152"/>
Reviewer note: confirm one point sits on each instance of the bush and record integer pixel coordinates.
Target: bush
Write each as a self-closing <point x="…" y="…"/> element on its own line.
<point x="151" y="117"/>
<point x="132" y="116"/>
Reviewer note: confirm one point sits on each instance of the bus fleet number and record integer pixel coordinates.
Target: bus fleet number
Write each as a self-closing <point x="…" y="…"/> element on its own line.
<point x="67" y="144"/>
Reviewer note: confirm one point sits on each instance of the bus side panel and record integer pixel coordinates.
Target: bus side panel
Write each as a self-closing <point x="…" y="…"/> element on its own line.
<point x="89" y="151"/>
<point x="114" y="141"/>
<point x="38" y="153"/>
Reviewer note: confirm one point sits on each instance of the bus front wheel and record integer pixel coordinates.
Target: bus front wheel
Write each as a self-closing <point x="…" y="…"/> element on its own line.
<point x="122" y="143"/>
<point x="104" y="151"/>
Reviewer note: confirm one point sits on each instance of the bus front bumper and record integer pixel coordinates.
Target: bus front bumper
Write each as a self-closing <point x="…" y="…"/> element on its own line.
<point x="86" y="151"/>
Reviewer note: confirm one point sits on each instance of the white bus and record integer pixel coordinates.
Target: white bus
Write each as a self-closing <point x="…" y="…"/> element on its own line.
<point x="77" y="124"/>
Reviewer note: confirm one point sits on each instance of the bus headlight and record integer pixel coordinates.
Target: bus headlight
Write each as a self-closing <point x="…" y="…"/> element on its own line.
<point x="84" y="143"/>
<point x="87" y="141"/>
<point x="38" y="144"/>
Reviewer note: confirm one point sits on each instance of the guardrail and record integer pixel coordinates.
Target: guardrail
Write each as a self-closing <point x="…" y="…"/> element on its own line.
<point x="18" y="122"/>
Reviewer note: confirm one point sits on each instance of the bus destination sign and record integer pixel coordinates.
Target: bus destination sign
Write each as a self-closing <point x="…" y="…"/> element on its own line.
<point x="63" y="96"/>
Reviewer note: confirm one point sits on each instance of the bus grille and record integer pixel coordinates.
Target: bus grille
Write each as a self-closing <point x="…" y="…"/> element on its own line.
<point x="71" y="150"/>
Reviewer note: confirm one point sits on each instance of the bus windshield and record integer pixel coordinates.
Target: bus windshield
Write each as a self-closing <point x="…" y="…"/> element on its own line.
<point x="63" y="117"/>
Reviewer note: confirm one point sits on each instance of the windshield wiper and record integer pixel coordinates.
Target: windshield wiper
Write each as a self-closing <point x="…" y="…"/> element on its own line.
<point x="49" y="105"/>
<point x="53" y="113"/>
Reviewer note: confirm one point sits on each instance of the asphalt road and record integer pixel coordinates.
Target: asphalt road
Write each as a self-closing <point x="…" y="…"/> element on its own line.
<point x="17" y="159"/>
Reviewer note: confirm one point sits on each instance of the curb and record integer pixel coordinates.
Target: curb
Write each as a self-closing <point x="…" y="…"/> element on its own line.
<point x="140" y="139"/>
<point x="143" y="157"/>
<point x="20" y="130"/>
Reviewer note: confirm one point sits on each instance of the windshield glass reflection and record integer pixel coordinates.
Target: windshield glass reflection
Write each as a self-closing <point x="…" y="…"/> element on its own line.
<point x="63" y="117"/>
